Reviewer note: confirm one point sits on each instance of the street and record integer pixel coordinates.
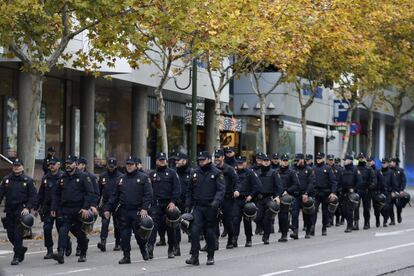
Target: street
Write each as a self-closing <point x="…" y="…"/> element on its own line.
<point x="378" y="251"/>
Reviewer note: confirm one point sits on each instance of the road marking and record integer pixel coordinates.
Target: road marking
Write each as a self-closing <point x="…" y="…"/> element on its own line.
<point x="365" y="254"/>
<point x="321" y="263"/>
<point x="393" y="233"/>
<point x="5" y="252"/>
<point x="277" y="273"/>
<point x="72" y="271"/>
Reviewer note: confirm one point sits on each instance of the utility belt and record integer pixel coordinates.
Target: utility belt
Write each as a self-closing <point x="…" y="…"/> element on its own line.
<point x="129" y="207"/>
<point x="161" y="202"/>
<point x="202" y="203"/>
<point x="76" y="204"/>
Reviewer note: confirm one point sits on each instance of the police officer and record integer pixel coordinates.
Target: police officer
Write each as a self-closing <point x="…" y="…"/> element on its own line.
<point x="205" y="193"/>
<point x="230" y="158"/>
<point x="378" y="190"/>
<point x="249" y="186"/>
<point x="368" y="184"/>
<point x="132" y="198"/>
<point x="349" y="180"/>
<point x="82" y="166"/>
<point x="167" y="191"/>
<point x="73" y="197"/>
<point x="20" y="194"/>
<point x="184" y="174"/>
<point x="51" y="152"/>
<point x="336" y="169"/>
<point x="325" y="190"/>
<point x="275" y="161"/>
<point x="258" y="161"/>
<point x="108" y="181"/>
<point x="305" y="189"/>
<point x="387" y="178"/>
<point x="230" y="180"/>
<point x="290" y="186"/>
<point x="271" y="190"/>
<point x="400" y="182"/>
<point x="46" y="192"/>
<point x="309" y="160"/>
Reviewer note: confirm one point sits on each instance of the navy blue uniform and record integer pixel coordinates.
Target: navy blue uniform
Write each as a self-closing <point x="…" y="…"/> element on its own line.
<point x="349" y="179"/>
<point x="368" y="185"/>
<point x="388" y="188"/>
<point x="184" y="174"/>
<point x="249" y="185"/>
<point x="271" y="188"/>
<point x="339" y="213"/>
<point x="96" y="195"/>
<point x="167" y="188"/>
<point x="73" y="193"/>
<point x="305" y="187"/>
<point x="107" y="186"/>
<point x="325" y="184"/>
<point x="230" y="179"/>
<point x="46" y="192"/>
<point x="20" y="193"/>
<point x="399" y="182"/>
<point x="204" y="195"/>
<point x="132" y="194"/>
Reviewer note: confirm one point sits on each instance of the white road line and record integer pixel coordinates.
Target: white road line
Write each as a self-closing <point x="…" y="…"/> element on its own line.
<point x="72" y="271"/>
<point x="400" y="246"/>
<point x="5" y="252"/>
<point x="364" y="254"/>
<point x="277" y="273"/>
<point x="393" y="233"/>
<point x="321" y="263"/>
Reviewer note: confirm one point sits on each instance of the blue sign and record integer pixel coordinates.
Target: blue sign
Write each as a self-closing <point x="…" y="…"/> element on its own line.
<point x="307" y="91"/>
<point x="340" y="110"/>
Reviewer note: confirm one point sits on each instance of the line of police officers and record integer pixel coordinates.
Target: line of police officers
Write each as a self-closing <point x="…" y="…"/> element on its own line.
<point x="228" y="191"/>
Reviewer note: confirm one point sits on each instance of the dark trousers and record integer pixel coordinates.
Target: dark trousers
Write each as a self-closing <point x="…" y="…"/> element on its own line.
<point x="264" y="218"/>
<point x="394" y="202"/>
<point x="296" y="207"/>
<point x="71" y="222"/>
<point x="227" y="207"/>
<point x="238" y="216"/>
<point x="366" y="199"/>
<point x="157" y="213"/>
<point x="204" y="218"/>
<point x="127" y="220"/>
<point x="48" y="223"/>
<point x="348" y="210"/>
<point x="14" y="231"/>
<point x="178" y="229"/>
<point x="321" y="198"/>
<point x="105" y="226"/>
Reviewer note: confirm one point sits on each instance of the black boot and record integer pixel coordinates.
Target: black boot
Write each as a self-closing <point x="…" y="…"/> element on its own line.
<point x="307" y="235"/>
<point x="348" y="228"/>
<point x="161" y="242"/>
<point x="193" y="260"/>
<point x="272" y="229"/>
<point x="216" y="247"/>
<point x="177" y="250"/>
<point x="324" y="232"/>
<point x="126" y="259"/>
<point x="224" y="234"/>
<point x="312" y="230"/>
<point x="210" y="258"/>
<point x="295" y="234"/>
<point x="144" y="252"/>
<point x="283" y="238"/>
<point x="49" y="254"/>
<point x="68" y="251"/>
<point x="235" y="242"/>
<point x="248" y="242"/>
<point x="78" y="251"/>
<point x="229" y="243"/>
<point x="337" y="223"/>
<point x="377" y="222"/>
<point x="399" y="218"/>
<point x="102" y="245"/>
<point x="82" y="258"/>
<point x="15" y="260"/>
<point x="150" y="251"/>
<point x="117" y="247"/>
<point x="392" y="222"/>
<point x="366" y="225"/>
<point x="265" y="239"/>
<point x="59" y="256"/>
<point x="22" y="252"/>
<point x="356" y="225"/>
<point x="170" y="252"/>
<point x="204" y="248"/>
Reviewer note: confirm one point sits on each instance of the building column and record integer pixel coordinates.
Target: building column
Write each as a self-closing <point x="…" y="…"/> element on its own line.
<point x="357" y="137"/>
<point x="139" y="122"/>
<point x="209" y="123"/>
<point x="402" y="144"/>
<point x="87" y="120"/>
<point x="273" y="135"/>
<point x="381" y="139"/>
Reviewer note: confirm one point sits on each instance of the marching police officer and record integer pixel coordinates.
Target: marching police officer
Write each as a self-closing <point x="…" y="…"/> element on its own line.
<point x="336" y="168"/>
<point x="368" y="184"/>
<point x="387" y="178"/>
<point x="309" y="160"/>
<point x="132" y="198"/>
<point x="46" y="192"/>
<point x="349" y="180"/>
<point x="205" y="193"/>
<point x="271" y="190"/>
<point x="249" y="186"/>
<point x="82" y="166"/>
<point x="107" y="186"/>
<point x="400" y="182"/>
<point x="230" y="158"/>
<point x="167" y="191"/>
<point x="50" y="154"/>
<point x="184" y="174"/>
<point x="379" y="190"/>
<point x="305" y="189"/>
<point x="73" y="197"/>
<point x="275" y="161"/>
<point x="20" y="194"/>
<point x="290" y="186"/>
<point x="230" y="180"/>
<point x="325" y="190"/>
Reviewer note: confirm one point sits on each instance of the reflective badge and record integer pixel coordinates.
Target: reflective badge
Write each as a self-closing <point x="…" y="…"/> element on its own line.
<point x="138" y="180"/>
<point x="306" y="172"/>
<point x="155" y="175"/>
<point x="88" y="178"/>
<point x="103" y="180"/>
<point x="324" y="171"/>
<point x="120" y="181"/>
<point x="188" y="176"/>
<point x="212" y="177"/>
<point x="194" y="175"/>
<point x="45" y="181"/>
<point x="24" y="184"/>
<point x="398" y="172"/>
<point x="77" y="179"/>
<point x="166" y="174"/>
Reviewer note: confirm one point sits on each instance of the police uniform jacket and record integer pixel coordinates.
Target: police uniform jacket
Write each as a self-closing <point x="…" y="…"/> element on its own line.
<point x="349" y="178"/>
<point x="47" y="189"/>
<point x="206" y="185"/>
<point x="19" y="192"/>
<point x="184" y="174"/>
<point x="290" y="181"/>
<point x="230" y="179"/>
<point x="271" y="182"/>
<point x="369" y="179"/>
<point x="107" y="184"/>
<point x="399" y="179"/>
<point x="324" y="178"/>
<point x="387" y="179"/>
<point x="249" y="183"/>
<point x="165" y="185"/>
<point x="306" y="179"/>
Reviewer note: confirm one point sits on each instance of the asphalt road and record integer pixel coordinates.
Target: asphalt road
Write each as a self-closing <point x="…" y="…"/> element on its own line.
<point x="377" y="251"/>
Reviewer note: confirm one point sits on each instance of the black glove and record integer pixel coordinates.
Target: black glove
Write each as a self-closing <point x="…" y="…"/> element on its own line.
<point x="215" y="204"/>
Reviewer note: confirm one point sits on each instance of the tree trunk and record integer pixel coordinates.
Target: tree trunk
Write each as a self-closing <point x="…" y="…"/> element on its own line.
<point x="348" y="131"/>
<point x="161" y="112"/>
<point x="303" y="124"/>
<point x="370" y="127"/>
<point x="263" y="121"/>
<point x="395" y="132"/>
<point x="29" y="102"/>
<point x="217" y="113"/>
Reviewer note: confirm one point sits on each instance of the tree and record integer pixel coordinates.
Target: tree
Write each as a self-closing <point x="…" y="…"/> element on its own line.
<point x="374" y="103"/>
<point x="38" y="32"/>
